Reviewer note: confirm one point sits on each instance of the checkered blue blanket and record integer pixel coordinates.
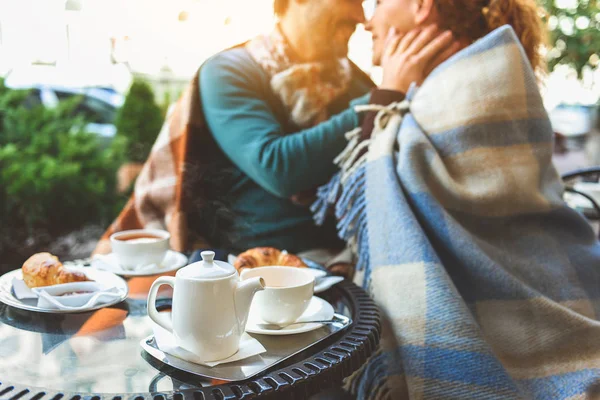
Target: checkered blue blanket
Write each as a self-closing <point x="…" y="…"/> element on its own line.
<point x="489" y="283"/>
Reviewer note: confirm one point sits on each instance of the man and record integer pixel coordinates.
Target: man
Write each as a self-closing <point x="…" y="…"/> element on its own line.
<point x="256" y="130"/>
<point x="279" y="107"/>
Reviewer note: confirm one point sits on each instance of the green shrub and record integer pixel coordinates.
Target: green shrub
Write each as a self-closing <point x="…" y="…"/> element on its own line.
<point x="139" y="120"/>
<point x="574" y="33"/>
<point x="54" y="176"/>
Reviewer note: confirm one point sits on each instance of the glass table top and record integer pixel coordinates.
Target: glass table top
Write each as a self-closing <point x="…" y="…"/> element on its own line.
<point x="94" y="352"/>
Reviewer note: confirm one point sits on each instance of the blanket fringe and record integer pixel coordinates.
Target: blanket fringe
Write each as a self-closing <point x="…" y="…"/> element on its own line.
<point x="326" y="195"/>
<point x="353" y="138"/>
<point x="369" y="382"/>
<point x="346" y="190"/>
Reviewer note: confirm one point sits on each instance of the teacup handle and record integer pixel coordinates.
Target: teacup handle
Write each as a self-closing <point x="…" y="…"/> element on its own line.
<point x="152" y="311"/>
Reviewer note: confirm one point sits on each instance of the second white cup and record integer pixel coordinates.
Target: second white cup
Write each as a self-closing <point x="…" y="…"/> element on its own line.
<point x="140" y="247"/>
<point x="287" y="293"/>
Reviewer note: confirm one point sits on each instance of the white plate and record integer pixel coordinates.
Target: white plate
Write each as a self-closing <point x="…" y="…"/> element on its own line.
<point x="322" y="281"/>
<point x="322" y="284"/>
<point x="318" y="309"/>
<point x="172" y="262"/>
<point x="317" y="273"/>
<point x="104" y="277"/>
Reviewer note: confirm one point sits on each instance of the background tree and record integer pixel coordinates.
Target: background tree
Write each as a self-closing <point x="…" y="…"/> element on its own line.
<point x="139" y="120"/>
<point x="54" y="176"/>
<point x="574" y="33"/>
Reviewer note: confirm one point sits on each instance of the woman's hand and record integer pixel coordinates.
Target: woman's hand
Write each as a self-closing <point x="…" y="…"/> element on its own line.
<point x="411" y="57"/>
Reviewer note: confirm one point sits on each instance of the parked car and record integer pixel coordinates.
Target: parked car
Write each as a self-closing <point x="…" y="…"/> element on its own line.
<point x="50" y="85"/>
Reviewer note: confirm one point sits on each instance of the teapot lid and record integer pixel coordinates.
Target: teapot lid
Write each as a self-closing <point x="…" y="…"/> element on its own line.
<point x="208" y="268"/>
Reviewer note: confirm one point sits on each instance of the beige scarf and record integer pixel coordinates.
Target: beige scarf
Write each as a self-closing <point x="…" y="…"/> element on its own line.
<point x="306" y="89"/>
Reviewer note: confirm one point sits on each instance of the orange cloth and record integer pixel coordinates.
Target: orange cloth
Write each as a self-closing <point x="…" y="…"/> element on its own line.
<point x="102" y="320"/>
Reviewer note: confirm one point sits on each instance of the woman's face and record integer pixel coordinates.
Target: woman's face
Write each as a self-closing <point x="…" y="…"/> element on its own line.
<point x="399" y="14"/>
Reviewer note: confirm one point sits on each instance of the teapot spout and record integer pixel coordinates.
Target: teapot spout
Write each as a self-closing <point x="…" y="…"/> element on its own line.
<point x="244" y="292"/>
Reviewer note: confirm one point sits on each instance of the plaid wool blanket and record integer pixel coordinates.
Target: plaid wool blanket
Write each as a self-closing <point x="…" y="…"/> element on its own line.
<point x="170" y="183"/>
<point x="489" y="284"/>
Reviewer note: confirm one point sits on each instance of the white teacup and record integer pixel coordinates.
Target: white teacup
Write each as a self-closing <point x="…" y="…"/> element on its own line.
<point x="287" y="293"/>
<point x="140" y="247"/>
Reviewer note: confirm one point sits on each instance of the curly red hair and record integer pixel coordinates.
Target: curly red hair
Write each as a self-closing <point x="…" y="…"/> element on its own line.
<point x="473" y="19"/>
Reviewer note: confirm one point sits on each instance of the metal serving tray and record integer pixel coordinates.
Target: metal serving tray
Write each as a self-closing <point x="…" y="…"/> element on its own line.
<point x="279" y="348"/>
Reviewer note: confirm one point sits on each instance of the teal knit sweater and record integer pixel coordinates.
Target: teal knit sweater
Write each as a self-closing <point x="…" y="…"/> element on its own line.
<point x="273" y="159"/>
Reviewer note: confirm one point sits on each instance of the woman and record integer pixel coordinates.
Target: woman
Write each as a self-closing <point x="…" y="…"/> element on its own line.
<point x="489" y="284"/>
<point x="412" y="37"/>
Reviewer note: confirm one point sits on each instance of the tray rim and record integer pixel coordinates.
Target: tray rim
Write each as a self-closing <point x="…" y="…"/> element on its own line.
<point x="159" y="356"/>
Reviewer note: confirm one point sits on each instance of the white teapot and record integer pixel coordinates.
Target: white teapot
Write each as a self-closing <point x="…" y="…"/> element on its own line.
<point x="210" y="307"/>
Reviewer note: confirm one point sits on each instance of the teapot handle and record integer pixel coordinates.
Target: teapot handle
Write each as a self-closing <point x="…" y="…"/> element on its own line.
<point x="152" y="311"/>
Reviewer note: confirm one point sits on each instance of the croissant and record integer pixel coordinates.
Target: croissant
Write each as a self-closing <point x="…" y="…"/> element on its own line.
<point x="264" y="256"/>
<point x="44" y="269"/>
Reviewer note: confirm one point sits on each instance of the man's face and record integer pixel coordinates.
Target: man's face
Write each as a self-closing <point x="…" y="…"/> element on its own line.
<point x="399" y="14"/>
<point x="331" y="23"/>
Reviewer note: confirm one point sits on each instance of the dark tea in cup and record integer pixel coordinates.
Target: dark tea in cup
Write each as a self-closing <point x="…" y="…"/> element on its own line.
<point x="139" y="238"/>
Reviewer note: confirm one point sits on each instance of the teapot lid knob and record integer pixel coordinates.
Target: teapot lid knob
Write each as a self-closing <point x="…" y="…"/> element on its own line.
<point x="207" y="268"/>
<point x="208" y="256"/>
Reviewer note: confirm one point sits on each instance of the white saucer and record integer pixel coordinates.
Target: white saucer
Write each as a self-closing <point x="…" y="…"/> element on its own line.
<point x="107" y="279"/>
<point x="318" y="309"/>
<point x="172" y="262"/>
